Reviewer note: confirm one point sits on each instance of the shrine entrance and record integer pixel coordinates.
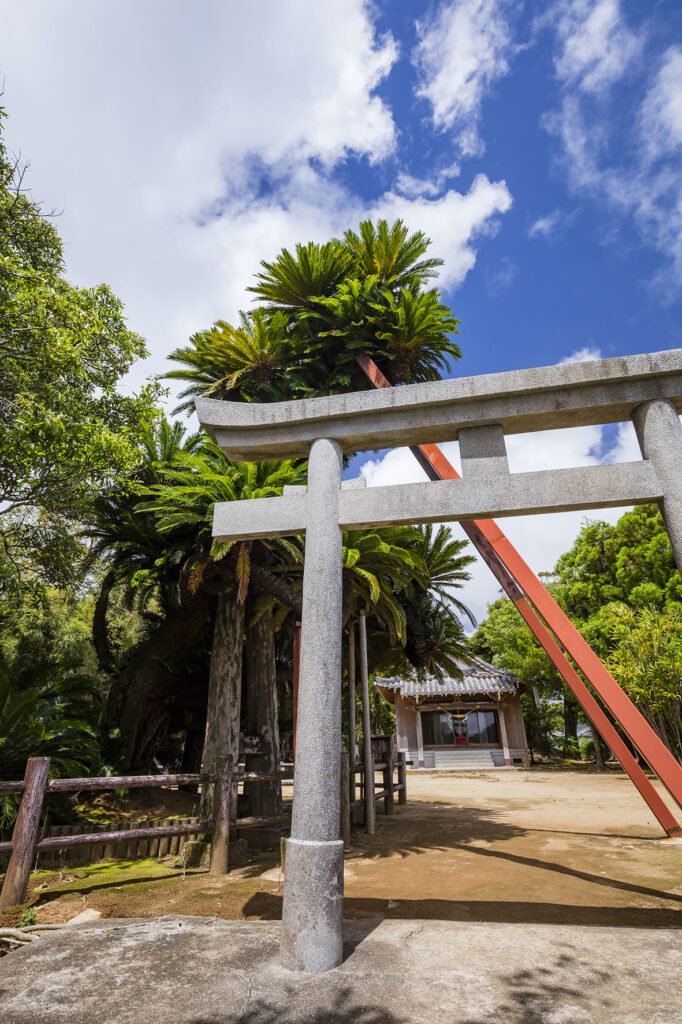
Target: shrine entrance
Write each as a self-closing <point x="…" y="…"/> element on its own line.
<point x="478" y="412"/>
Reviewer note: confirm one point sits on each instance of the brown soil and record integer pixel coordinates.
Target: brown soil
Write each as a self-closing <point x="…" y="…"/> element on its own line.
<point x="535" y="846"/>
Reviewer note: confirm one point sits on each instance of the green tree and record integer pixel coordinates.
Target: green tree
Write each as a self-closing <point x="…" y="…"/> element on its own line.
<point x="66" y="431"/>
<point x="630" y="561"/>
<point x="50" y="688"/>
<point x="199" y="583"/>
<point x="323" y="306"/>
<point x="646" y="658"/>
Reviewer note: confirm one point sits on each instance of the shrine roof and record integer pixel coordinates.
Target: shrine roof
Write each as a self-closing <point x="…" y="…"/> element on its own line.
<point x="477" y="677"/>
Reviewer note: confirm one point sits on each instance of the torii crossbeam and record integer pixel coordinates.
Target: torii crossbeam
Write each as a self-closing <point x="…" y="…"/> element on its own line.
<point x="478" y="411"/>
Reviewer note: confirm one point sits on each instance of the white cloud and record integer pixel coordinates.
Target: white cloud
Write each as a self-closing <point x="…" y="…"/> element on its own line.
<point x="500" y="278"/>
<point x="661" y="112"/>
<point x="463" y="49"/>
<point x="582" y="355"/>
<point x="307" y="205"/>
<point x="596" y="46"/>
<point x="626" y="446"/>
<point x="408" y="185"/>
<point x="632" y="169"/>
<point x="454" y="221"/>
<point x="545" y="227"/>
<point x="183" y="149"/>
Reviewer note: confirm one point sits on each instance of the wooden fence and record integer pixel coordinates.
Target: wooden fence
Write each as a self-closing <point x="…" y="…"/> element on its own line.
<point x="130" y="849"/>
<point x="156" y="839"/>
<point x="26" y="843"/>
<point x="362" y="810"/>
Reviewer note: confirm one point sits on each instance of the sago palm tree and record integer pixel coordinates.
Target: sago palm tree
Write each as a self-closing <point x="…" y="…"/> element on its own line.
<point x="323" y="306"/>
<point x="378" y="306"/>
<point x="185" y="499"/>
<point x="255" y="362"/>
<point x="435" y="642"/>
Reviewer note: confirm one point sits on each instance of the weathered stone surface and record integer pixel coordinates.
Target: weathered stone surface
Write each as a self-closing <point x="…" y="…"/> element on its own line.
<point x="201" y="971"/>
<point x="659" y="432"/>
<point x="312" y="939"/>
<point x="541" y="398"/>
<point x="483" y="451"/>
<point x="477" y="496"/>
<point x="313" y="887"/>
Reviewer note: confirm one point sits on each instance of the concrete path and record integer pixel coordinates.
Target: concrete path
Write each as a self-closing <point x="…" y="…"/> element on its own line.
<point x="183" y="970"/>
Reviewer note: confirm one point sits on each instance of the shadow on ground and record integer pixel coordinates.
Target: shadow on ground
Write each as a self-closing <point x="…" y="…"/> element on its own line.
<point x="567" y="984"/>
<point x="267" y="906"/>
<point x="535" y="997"/>
<point x="344" y="1008"/>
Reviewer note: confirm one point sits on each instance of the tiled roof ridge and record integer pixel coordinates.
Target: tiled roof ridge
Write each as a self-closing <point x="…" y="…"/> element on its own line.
<point x="477" y="668"/>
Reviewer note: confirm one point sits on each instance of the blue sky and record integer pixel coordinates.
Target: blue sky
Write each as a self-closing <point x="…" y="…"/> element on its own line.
<point x="569" y="268"/>
<point x="538" y="144"/>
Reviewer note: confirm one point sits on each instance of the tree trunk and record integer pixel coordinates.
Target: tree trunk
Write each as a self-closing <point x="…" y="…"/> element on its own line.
<point x="100" y="633"/>
<point x="265" y="582"/>
<point x="598" y="755"/>
<point x="224" y="692"/>
<point x="570" y="728"/>
<point x="261" y="688"/>
<point x="138" y="695"/>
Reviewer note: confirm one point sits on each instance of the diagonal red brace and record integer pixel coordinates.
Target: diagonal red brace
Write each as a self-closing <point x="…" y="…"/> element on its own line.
<point x="515" y="576"/>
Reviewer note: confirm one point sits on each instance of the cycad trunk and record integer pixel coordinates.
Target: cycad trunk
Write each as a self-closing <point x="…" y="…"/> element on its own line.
<point x="224" y="692"/>
<point x="140" y="694"/>
<point x="261" y="686"/>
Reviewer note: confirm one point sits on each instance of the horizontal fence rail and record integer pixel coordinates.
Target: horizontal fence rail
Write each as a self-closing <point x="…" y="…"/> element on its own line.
<point x="26" y="843"/>
<point x="105" y="782"/>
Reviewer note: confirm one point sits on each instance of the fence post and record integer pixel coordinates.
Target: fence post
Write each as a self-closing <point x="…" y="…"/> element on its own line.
<point x="370" y="806"/>
<point x="369" y="793"/>
<point x="344" y="830"/>
<point x="222" y="798"/>
<point x="389" y="799"/>
<point x="402" y="777"/>
<point x="352" y="754"/>
<point x="25" y="835"/>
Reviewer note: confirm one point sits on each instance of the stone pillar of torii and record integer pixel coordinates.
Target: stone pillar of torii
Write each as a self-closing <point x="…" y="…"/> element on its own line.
<point x="478" y="411"/>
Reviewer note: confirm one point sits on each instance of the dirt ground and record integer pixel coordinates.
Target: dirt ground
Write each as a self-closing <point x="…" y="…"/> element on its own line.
<point x="538" y="846"/>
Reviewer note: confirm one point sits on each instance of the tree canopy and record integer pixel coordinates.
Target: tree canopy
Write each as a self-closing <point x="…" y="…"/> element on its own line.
<point x="620" y="585"/>
<point x="66" y="430"/>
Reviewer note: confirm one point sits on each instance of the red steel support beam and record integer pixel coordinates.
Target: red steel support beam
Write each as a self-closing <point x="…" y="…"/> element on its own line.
<point x="592" y="709"/>
<point x="513" y="573"/>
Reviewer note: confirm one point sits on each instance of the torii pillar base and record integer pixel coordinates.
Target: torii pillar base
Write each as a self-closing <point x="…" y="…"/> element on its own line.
<point x="312" y="920"/>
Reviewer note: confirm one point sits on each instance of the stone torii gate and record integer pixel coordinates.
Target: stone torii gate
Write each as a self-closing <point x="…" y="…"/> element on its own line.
<point x="478" y="411"/>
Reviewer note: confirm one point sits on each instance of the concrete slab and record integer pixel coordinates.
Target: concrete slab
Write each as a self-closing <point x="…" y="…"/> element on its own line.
<point x="186" y="970"/>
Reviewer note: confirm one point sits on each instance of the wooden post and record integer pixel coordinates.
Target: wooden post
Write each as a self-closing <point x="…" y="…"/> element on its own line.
<point x="370" y="807"/>
<point x="344" y="830"/>
<point x="351" y="710"/>
<point x="222" y="798"/>
<point x="506" y="753"/>
<point x="420" y="740"/>
<point x="389" y="799"/>
<point x="402" y="777"/>
<point x="25" y="835"/>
